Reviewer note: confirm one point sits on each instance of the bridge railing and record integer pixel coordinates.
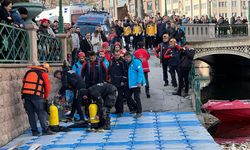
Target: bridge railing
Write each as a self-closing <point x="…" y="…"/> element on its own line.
<point x="49" y="49"/>
<point x="206" y="32"/>
<point x="26" y="46"/>
<point x="14" y="44"/>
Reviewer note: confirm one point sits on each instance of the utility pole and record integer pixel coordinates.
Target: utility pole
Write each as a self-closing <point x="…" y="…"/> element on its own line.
<point x="166" y="7"/>
<point x="61" y="30"/>
<point x="248" y="11"/>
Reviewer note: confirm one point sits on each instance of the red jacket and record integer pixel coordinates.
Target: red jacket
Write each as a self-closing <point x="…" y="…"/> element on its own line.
<point x="107" y="56"/>
<point x="144" y="56"/>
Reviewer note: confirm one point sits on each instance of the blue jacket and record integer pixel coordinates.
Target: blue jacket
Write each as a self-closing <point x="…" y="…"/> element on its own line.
<point x="135" y="73"/>
<point x="77" y="67"/>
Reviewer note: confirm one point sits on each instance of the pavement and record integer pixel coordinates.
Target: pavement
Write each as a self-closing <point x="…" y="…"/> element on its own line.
<point x="168" y="122"/>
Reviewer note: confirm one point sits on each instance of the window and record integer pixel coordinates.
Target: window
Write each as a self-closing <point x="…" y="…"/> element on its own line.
<point x="187" y="8"/>
<point x="234" y="3"/>
<point x="196" y="6"/>
<point x="203" y="6"/>
<point x="225" y="14"/>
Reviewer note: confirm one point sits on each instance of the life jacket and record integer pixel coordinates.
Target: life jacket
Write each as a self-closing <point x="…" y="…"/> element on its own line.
<point x="137" y="30"/>
<point x="151" y="29"/>
<point x="33" y="83"/>
<point x="127" y="31"/>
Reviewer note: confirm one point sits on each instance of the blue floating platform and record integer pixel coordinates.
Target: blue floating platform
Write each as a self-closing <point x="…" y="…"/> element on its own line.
<point x="153" y="131"/>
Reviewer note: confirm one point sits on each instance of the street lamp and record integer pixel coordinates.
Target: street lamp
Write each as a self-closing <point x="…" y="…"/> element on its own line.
<point x="210" y="9"/>
<point x="60" y="19"/>
<point x="166" y="8"/>
<point x="248" y="10"/>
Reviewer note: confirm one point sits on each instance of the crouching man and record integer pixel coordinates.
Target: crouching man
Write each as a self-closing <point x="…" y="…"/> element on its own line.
<point x="104" y="94"/>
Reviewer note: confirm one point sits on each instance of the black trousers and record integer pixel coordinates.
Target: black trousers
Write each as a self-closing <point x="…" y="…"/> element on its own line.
<point x="74" y="57"/>
<point x="165" y="71"/>
<point x="158" y="40"/>
<point x="136" y="39"/>
<point x="183" y="79"/>
<point x="136" y="102"/>
<point x="150" y="40"/>
<point x="76" y="105"/>
<point x="35" y="105"/>
<point x="127" y="41"/>
<point x="147" y="83"/>
<point x="119" y="100"/>
<point x="173" y="71"/>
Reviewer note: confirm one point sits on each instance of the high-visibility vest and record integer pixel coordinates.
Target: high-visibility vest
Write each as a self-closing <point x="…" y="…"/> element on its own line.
<point x="137" y="30"/>
<point x="127" y="30"/>
<point x="151" y="29"/>
<point x="33" y="83"/>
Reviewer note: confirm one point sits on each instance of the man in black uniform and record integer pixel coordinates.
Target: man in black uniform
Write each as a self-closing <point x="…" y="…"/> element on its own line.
<point x="104" y="94"/>
<point x="186" y="58"/>
<point x="70" y="80"/>
<point x="162" y="48"/>
<point x="118" y="77"/>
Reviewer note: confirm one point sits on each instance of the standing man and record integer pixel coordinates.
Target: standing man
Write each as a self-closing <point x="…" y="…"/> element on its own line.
<point x="35" y="91"/>
<point x="127" y="32"/>
<point x="162" y="48"/>
<point x="135" y="81"/>
<point x="137" y="34"/>
<point x="118" y="77"/>
<point x="144" y="56"/>
<point x="151" y="30"/>
<point x="173" y="56"/>
<point x="186" y="58"/>
<point x="95" y="71"/>
<point x="86" y="45"/>
<point x="77" y="67"/>
<point x="75" y="45"/>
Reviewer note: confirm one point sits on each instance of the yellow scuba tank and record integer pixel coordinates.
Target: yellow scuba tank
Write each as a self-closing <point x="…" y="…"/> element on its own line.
<point x="54" y="116"/>
<point x="93" y="109"/>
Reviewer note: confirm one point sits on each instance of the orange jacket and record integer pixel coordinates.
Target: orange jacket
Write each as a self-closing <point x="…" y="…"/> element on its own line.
<point x="36" y="82"/>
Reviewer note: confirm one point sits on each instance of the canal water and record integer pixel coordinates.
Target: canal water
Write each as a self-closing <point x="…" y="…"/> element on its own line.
<point x="225" y="87"/>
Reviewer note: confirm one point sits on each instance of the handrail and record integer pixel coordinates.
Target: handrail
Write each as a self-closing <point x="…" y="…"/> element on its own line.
<point x="14" y="44"/>
<point x="49" y="49"/>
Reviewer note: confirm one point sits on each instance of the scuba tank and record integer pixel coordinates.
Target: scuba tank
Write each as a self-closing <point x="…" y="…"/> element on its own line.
<point x="93" y="109"/>
<point x="53" y="117"/>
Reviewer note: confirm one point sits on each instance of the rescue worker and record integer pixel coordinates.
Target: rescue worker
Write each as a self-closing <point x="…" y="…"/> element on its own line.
<point x="144" y="56"/>
<point x="186" y="58"/>
<point x="151" y="30"/>
<point x="179" y="35"/>
<point x="95" y="71"/>
<point x="77" y="67"/>
<point x="135" y="81"/>
<point x="35" y="92"/>
<point x="71" y="81"/>
<point x="162" y="48"/>
<point x="127" y="32"/>
<point x="104" y="94"/>
<point x="173" y="57"/>
<point x="118" y="77"/>
<point x="137" y="34"/>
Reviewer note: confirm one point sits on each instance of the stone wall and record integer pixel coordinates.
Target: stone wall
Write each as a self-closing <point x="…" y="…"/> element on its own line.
<point x="13" y="119"/>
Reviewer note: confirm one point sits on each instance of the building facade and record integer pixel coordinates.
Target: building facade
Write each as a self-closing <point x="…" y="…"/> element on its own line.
<point x="150" y="7"/>
<point x="214" y="8"/>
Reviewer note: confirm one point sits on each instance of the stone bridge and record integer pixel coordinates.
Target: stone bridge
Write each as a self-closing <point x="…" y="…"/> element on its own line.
<point x="226" y="54"/>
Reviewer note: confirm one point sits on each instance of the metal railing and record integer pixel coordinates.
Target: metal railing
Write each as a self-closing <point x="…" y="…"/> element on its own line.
<point x="14" y="44"/>
<point x="49" y="49"/>
<point x="195" y="83"/>
<point x="231" y="30"/>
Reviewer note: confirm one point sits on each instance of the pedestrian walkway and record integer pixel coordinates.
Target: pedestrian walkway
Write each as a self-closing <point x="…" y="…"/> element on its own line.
<point x="153" y="131"/>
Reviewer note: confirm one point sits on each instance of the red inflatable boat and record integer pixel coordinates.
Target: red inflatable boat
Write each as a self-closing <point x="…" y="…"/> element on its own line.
<point x="229" y="111"/>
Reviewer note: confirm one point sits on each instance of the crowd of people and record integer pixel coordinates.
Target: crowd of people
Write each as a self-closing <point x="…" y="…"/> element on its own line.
<point x="107" y="69"/>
